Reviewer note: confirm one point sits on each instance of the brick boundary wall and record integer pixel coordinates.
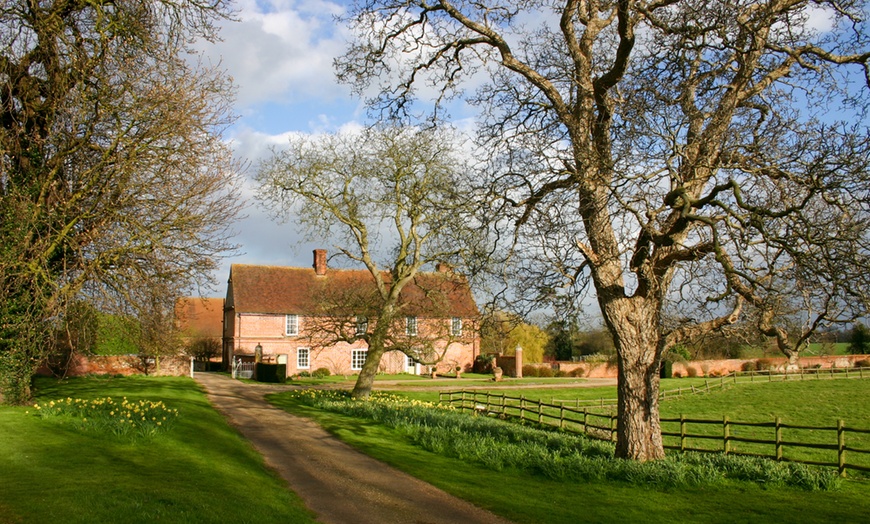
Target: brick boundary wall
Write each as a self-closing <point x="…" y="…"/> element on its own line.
<point x="167" y="366"/>
<point x="704" y="368"/>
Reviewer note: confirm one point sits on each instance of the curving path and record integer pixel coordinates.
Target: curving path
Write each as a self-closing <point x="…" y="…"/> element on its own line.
<point x="338" y="483"/>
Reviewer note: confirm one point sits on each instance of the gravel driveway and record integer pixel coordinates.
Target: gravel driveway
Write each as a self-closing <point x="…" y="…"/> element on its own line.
<point x="338" y="483"/>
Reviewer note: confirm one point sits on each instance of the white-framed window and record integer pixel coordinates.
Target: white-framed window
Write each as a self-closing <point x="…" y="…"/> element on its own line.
<point x="303" y="358"/>
<point x="409" y="362"/>
<point x="358" y="358"/>
<point x="291" y="325"/>
<point x="456" y="327"/>
<point x="411" y="326"/>
<point x="362" y="325"/>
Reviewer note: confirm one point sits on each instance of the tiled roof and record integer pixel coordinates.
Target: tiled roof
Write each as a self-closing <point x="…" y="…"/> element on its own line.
<point x="200" y="316"/>
<point x="297" y="290"/>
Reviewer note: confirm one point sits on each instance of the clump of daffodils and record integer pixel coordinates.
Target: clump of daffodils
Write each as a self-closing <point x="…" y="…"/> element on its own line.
<point x="142" y="418"/>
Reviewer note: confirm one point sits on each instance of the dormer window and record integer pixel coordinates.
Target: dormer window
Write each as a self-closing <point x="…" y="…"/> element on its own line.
<point x="411" y="326"/>
<point x="291" y="325"/>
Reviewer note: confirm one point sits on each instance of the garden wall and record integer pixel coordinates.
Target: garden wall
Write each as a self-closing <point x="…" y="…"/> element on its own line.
<point x="723" y="367"/>
<point x="174" y="366"/>
<point x="717" y="367"/>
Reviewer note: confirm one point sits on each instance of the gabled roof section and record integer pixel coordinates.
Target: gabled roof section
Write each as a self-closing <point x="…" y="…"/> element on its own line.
<point x="200" y="317"/>
<point x="297" y="290"/>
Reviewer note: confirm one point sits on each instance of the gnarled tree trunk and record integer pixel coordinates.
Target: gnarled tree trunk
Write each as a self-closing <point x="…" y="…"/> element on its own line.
<point x="634" y="325"/>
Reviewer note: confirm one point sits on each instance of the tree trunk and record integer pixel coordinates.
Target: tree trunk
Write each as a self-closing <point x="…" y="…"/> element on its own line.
<point x="634" y="325"/>
<point x="366" y="379"/>
<point x="638" y="427"/>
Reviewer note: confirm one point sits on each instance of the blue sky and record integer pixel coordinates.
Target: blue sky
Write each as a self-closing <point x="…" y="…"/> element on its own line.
<point x="280" y="53"/>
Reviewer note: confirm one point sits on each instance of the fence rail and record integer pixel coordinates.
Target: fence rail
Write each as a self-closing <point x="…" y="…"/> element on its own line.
<point x="758" y="439"/>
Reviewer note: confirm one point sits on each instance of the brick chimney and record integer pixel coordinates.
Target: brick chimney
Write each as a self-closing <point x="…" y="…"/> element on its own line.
<point x="441" y="267"/>
<point x="319" y="261"/>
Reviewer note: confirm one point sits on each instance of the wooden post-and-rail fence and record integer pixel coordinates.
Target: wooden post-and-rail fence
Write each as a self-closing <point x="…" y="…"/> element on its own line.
<point x="758" y="439"/>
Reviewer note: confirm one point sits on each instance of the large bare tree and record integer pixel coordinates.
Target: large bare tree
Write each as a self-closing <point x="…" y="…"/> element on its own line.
<point x="644" y="144"/>
<point x="393" y="200"/>
<point x="115" y="184"/>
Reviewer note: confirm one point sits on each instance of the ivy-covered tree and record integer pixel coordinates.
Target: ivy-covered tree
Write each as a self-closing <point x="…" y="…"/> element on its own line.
<point x="115" y="184"/>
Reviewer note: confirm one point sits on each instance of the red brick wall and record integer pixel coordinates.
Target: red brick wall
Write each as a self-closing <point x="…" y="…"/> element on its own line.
<point x="717" y="367"/>
<point x="174" y="366"/>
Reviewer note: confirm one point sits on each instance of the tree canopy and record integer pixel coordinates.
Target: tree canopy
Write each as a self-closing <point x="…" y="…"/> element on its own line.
<point x="694" y="156"/>
<point x="393" y="200"/>
<point x="115" y="185"/>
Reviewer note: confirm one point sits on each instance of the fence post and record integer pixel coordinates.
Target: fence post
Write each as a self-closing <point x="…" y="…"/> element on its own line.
<point x="584" y="420"/>
<point x="540" y="412"/>
<point x="778" y="437"/>
<point x="522" y="407"/>
<point x="726" y="435"/>
<point x="682" y="432"/>
<point x="612" y="428"/>
<point x="841" y="447"/>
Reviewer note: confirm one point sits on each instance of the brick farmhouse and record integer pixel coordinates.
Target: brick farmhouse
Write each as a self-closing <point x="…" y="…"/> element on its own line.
<point x="317" y="317"/>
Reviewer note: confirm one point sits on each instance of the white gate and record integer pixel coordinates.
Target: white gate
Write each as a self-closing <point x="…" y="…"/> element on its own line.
<point x="243" y="369"/>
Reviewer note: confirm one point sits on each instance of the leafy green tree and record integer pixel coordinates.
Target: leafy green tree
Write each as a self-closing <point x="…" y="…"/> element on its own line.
<point x="860" y="342"/>
<point x="115" y="183"/>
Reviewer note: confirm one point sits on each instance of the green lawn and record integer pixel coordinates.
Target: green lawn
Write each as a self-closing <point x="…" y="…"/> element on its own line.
<point x="200" y="470"/>
<point x="527" y="498"/>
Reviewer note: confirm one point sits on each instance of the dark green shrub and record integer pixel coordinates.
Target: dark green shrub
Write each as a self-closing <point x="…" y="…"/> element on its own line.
<point x="577" y="372"/>
<point x="691" y="372"/>
<point x="559" y="373"/>
<point x="320" y="373"/>
<point x="270" y="372"/>
<point x="304" y="374"/>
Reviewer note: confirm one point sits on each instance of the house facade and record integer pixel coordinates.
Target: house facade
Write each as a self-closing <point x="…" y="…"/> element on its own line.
<point x="318" y="317"/>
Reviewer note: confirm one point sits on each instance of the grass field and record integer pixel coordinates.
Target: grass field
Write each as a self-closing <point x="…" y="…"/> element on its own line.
<point x="200" y="470"/>
<point x="527" y="498"/>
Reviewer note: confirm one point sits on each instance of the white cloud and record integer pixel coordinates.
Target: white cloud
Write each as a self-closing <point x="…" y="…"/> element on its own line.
<point x="281" y="51"/>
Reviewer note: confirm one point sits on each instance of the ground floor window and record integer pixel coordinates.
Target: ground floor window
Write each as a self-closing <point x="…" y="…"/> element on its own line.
<point x="358" y="358"/>
<point x="302" y="355"/>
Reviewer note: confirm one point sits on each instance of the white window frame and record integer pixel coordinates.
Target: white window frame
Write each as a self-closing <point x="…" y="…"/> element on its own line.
<point x="291" y="325"/>
<point x="299" y="353"/>
<point x="411" y="326"/>
<point x="362" y="325"/>
<point x="358" y="358"/>
<point x="456" y="326"/>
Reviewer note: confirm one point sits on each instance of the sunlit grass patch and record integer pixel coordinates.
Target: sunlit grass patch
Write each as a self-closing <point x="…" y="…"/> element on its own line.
<point x="498" y="445"/>
<point x="123" y="418"/>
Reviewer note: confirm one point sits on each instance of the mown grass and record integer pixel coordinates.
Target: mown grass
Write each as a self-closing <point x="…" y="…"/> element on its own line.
<point x="817" y="403"/>
<point x="527" y="497"/>
<point x="56" y="469"/>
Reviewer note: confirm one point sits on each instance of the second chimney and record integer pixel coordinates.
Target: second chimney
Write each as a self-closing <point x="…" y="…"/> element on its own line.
<point x="319" y="261"/>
